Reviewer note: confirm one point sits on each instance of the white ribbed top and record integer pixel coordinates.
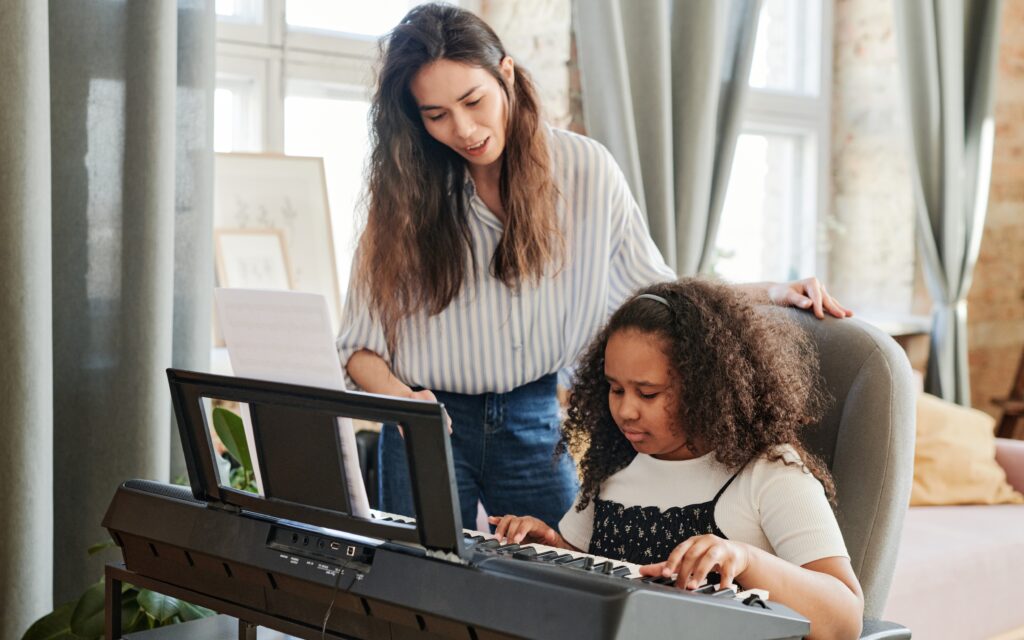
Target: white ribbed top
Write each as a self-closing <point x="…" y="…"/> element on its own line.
<point x="776" y="507"/>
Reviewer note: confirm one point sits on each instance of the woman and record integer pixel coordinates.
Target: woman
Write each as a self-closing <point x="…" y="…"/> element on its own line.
<point x="494" y="249"/>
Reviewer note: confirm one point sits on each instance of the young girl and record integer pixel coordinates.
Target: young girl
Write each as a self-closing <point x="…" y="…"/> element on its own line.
<point x="688" y="406"/>
<point x="494" y="249"/>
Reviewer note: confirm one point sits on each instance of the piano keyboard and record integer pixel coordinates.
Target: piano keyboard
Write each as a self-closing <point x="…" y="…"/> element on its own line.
<point x="577" y="559"/>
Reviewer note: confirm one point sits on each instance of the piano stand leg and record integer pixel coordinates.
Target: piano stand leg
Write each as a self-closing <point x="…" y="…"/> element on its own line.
<point x="112" y="604"/>
<point x="246" y="631"/>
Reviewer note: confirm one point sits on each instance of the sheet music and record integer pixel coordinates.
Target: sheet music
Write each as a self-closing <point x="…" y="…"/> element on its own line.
<point x="285" y="336"/>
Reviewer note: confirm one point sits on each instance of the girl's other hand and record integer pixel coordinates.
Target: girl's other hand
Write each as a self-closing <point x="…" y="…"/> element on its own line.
<point x="699" y="555"/>
<point x="809" y="294"/>
<point x="524" y="529"/>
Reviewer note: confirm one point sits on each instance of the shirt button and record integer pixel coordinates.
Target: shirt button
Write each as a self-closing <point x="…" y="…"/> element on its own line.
<point x="517" y="347"/>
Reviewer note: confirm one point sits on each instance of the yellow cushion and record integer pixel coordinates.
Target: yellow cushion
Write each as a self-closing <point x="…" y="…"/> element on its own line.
<point x="954" y="458"/>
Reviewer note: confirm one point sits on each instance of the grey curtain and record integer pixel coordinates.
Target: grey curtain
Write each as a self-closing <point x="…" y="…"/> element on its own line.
<point x="106" y="272"/>
<point x="948" y="51"/>
<point x="663" y="84"/>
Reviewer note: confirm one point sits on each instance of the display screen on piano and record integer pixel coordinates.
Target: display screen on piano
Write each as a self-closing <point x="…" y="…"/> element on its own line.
<point x="297" y="559"/>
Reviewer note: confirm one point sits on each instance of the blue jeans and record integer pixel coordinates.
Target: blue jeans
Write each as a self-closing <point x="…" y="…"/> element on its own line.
<point x="503" y="448"/>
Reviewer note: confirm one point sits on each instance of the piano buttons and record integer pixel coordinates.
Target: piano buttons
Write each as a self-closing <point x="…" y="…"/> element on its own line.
<point x="525" y="553"/>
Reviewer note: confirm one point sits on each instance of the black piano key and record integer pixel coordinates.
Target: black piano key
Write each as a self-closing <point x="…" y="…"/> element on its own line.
<point x="620" y="571"/>
<point x="489" y="544"/>
<point x="563" y="559"/>
<point x="526" y="553"/>
<point x="475" y="539"/>
<point x="707" y="588"/>
<point x="547" y="556"/>
<point x="600" y="567"/>
<point x="507" y="548"/>
<point x="579" y="563"/>
<point x="728" y="592"/>
<point x="588" y="563"/>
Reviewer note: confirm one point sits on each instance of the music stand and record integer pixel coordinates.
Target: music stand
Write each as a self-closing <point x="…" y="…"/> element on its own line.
<point x="301" y="459"/>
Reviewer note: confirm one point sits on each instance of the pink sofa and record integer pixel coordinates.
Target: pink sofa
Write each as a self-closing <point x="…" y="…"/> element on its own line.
<point x="960" y="570"/>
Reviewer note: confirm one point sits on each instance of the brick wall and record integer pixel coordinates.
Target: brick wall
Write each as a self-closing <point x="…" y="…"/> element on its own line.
<point x="870" y="227"/>
<point x="996" y="300"/>
<point x="536" y="33"/>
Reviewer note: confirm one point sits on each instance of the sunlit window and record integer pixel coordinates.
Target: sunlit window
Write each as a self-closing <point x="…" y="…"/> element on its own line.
<point x="369" y="19"/>
<point x="333" y="128"/>
<point x="776" y="193"/>
<point x="786" y="51"/>
<point x="767" y="238"/>
<point x="240" y="10"/>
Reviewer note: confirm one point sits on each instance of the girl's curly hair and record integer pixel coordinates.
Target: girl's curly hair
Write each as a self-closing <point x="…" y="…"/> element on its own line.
<point x="748" y="380"/>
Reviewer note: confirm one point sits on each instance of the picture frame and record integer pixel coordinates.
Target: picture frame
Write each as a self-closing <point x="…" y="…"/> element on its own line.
<point x="289" y="194"/>
<point x="252" y="259"/>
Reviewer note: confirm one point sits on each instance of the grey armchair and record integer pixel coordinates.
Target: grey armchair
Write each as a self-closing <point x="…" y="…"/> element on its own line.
<point x="867" y="440"/>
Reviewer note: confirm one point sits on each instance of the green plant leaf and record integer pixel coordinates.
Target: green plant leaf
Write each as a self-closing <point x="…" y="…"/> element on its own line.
<point x="191" y="611"/>
<point x="231" y="431"/>
<point x="131" y="612"/>
<point x="100" y="546"/>
<point x="87" y="618"/>
<point x="158" y="606"/>
<point x="55" y="625"/>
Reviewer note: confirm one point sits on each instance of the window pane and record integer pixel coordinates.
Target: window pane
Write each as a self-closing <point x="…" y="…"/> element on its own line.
<point x="336" y="130"/>
<point x="240" y="10"/>
<point x="787" y="48"/>
<point x="236" y="121"/>
<point x="766" y="232"/>
<point x="370" y="18"/>
<point x="223" y="122"/>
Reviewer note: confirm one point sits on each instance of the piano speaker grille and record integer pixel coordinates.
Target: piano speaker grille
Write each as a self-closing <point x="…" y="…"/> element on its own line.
<point x="175" y="491"/>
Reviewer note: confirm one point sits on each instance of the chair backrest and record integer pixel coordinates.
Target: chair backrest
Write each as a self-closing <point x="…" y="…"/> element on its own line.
<point x="867" y="439"/>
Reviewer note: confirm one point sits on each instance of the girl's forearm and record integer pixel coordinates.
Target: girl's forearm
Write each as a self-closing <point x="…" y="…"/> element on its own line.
<point x="834" y="608"/>
<point x="373" y="375"/>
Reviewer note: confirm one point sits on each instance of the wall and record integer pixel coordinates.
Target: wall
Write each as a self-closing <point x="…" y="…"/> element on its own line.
<point x="536" y="33"/>
<point x="870" y="228"/>
<point x="996" y="300"/>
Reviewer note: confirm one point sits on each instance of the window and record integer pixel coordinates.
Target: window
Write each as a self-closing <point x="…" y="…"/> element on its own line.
<point x="294" y="77"/>
<point x="778" y="189"/>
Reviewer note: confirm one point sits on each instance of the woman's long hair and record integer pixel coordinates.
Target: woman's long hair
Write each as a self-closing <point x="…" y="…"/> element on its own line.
<point x="416" y="248"/>
<point x="747" y="382"/>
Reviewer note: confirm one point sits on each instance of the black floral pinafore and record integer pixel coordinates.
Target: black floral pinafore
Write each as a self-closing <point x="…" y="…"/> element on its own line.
<point x="643" y="535"/>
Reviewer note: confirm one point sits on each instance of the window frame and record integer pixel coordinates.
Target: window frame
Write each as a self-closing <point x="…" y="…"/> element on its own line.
<point x="772" y="111"/>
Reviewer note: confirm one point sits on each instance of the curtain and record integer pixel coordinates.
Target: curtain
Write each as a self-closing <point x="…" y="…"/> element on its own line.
<point x="106" y="269"/>
<point x="947" y="52"/>
<point x="663" y="84"/>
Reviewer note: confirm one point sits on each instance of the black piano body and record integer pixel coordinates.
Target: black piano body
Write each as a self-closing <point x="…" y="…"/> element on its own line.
<point x="383" y="590"/>
<point x="309" y="567"/>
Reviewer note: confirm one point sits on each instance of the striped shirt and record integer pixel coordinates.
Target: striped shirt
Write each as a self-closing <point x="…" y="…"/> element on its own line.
<point x="492" y="338"/>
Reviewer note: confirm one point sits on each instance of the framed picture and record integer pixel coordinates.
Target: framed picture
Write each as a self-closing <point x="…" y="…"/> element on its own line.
<point x="252" y="259"/>
<point x="288" y="194"/>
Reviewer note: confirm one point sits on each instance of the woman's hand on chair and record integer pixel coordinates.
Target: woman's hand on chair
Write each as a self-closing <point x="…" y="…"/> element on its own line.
<point x="809" y="294"/>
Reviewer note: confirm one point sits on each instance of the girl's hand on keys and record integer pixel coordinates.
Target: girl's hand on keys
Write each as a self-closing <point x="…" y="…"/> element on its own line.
<point x="695" y="557"/>
<point x="527" y="529"/>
